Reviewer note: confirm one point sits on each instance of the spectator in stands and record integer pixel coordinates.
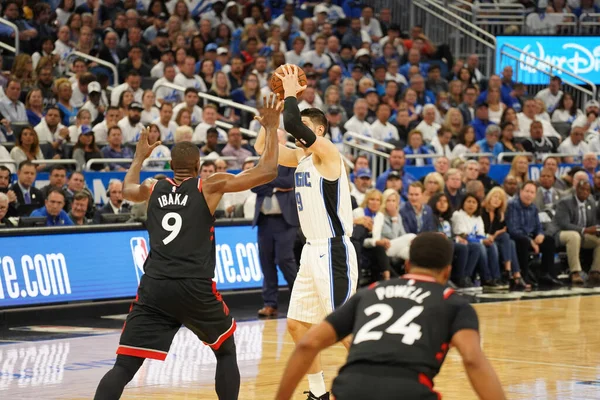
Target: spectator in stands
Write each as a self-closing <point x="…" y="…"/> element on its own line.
<point x="183" y="134"/>
<point x="471" y="171"/>
<point x="552" y="164"/>
<point x="111" y="119"/>
<point x="491" y="144"/>
<point x="68" y="113"/>
<point x="435" y="83"/>
<point x="566" y="110"/>
<point x="362" y="184"/>
<point x="526" y="230"/>
<point x="34" y="105"/>
<point x="428" y="127"/>
<point x="27" y="148"/>
<point x="484" y="178"/>
<point x="477" y="189"/>
<point x="28" y="197"/>
<point x="11" y="108"/>
<point x="496" y="107"/>
<point x="441" y="142"/>
<point x="50" y="130"/>
<point x="115" y="149"/>
<point x="358" y="123"/>
<point x="541" y="113"/>
<point x="58" y="180"/>
<point x="434" y="184"/>
<point x="467" y="107"/>
<point x="190" y="103"/>
<point x="417" y="147"/>
<point x="590" y="121"/>
<point x="519" y="168"/>
<point x="115" y="203"/>
<point x="537" y="143"/>
<point x="481" y="120"/>
<point x="528" y="116"/>
<point x="417" y="217"/>
<point x="465" y="143"/>
<point x="381" y="129"/>
<point x="595" y="188"/>
<point x="510" y="186"/>
<point x="493" y="215"/>
<point x="79" y="209"/>
<point x="235" y="148"/>
<point x="590" y="164"/>
<point x="131" y="127"/>
<point x="574" y="145"/>
<point x="552" y="94"/>
<point x="76" y="184"/>
<point x="53" y="209"/>
<point x="547" y="196"/>
<point x="468" y="224"/>
<point x="82" y="122"/>
<point x="212" y="145"/>
<point x="453" y="187"/>
<point x="576" y="222"/>
<point x="161" y="151"/>
<point x="4" y="222"/>
<point x="133" y="82"/>
<point x="166" y="126"/>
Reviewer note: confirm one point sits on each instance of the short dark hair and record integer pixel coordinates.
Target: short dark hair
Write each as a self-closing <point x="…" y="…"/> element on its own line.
<point x="166" y="103"/>
<point x="190" y="89"/>
<point x="470" y="87"/>
<point x="76" y="173"/>
<point x="184" y="155"/>
<point x="24" y="164"/>
<point x="56" y="190"/>
<point x="431" y="250"/>
<point x="316" y="116"/>
<point x="133" y="72"/>
<point x="58" y="167"/>
<point x="208" y="163"/>
<point x="212" y="131"/>
<point x="469" y="195"/>
<point x="4" y="168"/>
<point x="529" y="182"/>
<point x="556" y="79"/>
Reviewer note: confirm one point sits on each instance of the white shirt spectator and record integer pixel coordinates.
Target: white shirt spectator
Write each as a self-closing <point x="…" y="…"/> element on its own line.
<point x="373" y="28"/>
<point x="196" y="82"/>
<point x="262" y="78"/>
<point x="158" y="70"/>
<point x="582" y="121"/>
<point x="357" y="126"/>
<point x="428" y="131"/>
<point x="166" y="94"/>
<point x="525" y="124"/>
<point x="5" y="155"/>
<point x="383" y="132"/>
<point x="495" y="116"/>
<point x="78" y="99"/>
<point x="318" y="103"/>
<point x="568" y="147"/>
<point x="398" y="78"/>
<point x="318" y="61"/>
<point x="357" y="195"/>
<point x="44" y="134"/>
<point x="594" y="144"/>
<point x="463" y="224"/>
<point x="74" y="132"/>
<point x="100" y="132"/>
<point x="543" y="23"/>
<point x="549" y="99"/>
<point x="202" y="128"/>
<point x="62" y="49"/>
<point x="13" y="112"/>
<point x="149" y="116"/>
<point x="284" y="24"/>
<point x="565" y="116"/>
<point x="116" y="94"/>
<point x="131" y="133"/>
<point x="167" y="133"/>
<point x="292" y="58"/>
<point x="196" y="113"/>
<point x="439" y="149"/>
<point x="161" y="151"/>
<point x="92" y="109"/>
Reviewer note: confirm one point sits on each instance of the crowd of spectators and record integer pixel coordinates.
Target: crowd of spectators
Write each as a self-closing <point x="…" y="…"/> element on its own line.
<point x="371" y="79"/>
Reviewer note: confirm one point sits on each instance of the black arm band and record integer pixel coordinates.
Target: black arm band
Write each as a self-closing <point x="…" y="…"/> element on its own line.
<point x="293" y="123"/>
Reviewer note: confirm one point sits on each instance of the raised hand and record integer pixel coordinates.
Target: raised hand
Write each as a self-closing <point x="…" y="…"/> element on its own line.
<point x="270" y="113"/>
<point x="143" y="149"/>
<point x="289" y="79"/>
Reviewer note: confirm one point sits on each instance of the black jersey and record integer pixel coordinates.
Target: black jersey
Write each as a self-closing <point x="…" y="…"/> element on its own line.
<point x="181" y="230"/>
<point x="407" y="322"/>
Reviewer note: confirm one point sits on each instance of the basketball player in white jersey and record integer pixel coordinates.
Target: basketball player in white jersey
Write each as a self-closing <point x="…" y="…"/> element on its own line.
<point x="328" y="273"/>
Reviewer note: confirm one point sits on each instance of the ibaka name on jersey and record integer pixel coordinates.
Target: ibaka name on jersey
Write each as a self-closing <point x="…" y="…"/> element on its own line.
<point x="172" y="199"/>
<point x="303" y="179"/>
<point x="403" y="291"/>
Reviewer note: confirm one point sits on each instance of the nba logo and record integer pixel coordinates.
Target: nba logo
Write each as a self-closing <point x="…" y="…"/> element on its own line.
<point x="139" y="251"/>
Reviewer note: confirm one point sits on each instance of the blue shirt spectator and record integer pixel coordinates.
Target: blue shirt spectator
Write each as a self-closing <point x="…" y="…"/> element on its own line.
<point x="522" y="220"/>
<point x="123" y="152"/>
<point x="53" y="210"/>
<point x="417" y="221"/>
<point x="491" y="142"/>
<point x="481" y="121"/>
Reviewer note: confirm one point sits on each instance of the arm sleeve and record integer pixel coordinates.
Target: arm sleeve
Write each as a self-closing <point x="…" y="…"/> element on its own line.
<point x="343" y="318"/>
<point x="466" y="318"/>
<point x="293" y="123"/>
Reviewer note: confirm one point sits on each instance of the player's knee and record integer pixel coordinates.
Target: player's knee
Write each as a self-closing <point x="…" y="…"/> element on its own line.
<point x="227" y="348"/>
<point x="296" y="328"/>
<point x="128" y="365"/>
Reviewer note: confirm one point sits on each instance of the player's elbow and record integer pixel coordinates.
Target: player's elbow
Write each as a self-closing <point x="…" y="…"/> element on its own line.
<point x="473" y="360"/>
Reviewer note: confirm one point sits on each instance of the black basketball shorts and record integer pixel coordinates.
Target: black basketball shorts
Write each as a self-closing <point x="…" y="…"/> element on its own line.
<point x="351" y="386"/>
<point x="163" y="305"/>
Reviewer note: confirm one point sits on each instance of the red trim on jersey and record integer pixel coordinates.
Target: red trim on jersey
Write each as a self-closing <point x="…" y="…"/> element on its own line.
<point x="419" y="277"/>
<point x="142" y="353"/>
<point x="223" y="337"/>
<point x="424" y="380"/>
<point x="200" y="185"/>
<point x="448" y="292"/>
<point x="152" y="187"/>
<point x="372" y="285"/>
<point x="137" y="297"/>
<point x="175" y="184"/>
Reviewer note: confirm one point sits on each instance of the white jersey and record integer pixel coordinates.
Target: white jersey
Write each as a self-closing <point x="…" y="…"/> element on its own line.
<point x="324" y="207"/>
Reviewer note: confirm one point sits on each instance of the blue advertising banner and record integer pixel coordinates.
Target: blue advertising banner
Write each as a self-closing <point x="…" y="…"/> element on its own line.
<point x="107" y="265"/>
<point x="579" y="55"/>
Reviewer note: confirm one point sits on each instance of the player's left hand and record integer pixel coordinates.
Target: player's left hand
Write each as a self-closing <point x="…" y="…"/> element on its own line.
<point x="289" y="80"/>
<point x="143" y="148"/>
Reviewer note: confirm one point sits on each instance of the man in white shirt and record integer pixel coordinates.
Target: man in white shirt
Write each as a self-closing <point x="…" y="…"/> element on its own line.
<point x="381" y="129"/>
<point x="287" y="21"/>
<point x="310" y="99"/>
<point x="260" y="69"/>
<point x="209" y="116"/>
<point x="190" y="102"/>
<point x="133" y="82"/>
<point x="166" y="58"/>
<point x="80" y="90"/>
<point x="110" y="119"/>
<point x="527" y="116"/>
<point x="50" y="130"/>
<point x="296" y="54"/>
<point x="552" y="94"/>
<point x="131" y="127"/>
<point x="441" y="142"/>
<point x="320" y="61"/>
<point x="166" y="126"/>
<point x="574" y="144"/>
<point x="187" y="78"/>
<point x="362" y="183"/>
<point x="165" y="94"/>
<point x="589" y="121"/>
<point x="428" y="127"/>
<point x="358" y="123"/>
<point x="370" y="24"/>
<point x="94" y="103"/>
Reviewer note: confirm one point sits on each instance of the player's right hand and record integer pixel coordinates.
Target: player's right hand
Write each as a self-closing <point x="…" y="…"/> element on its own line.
<point x="289" y="80"/>
<point x="271" y="112"/>
<point x="143" y="149"/>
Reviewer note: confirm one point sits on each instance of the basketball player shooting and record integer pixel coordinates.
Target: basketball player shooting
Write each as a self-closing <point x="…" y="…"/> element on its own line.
<point x="177" y="287"/>
<point x="402" y="329"/>
<point x="328" y="273"/>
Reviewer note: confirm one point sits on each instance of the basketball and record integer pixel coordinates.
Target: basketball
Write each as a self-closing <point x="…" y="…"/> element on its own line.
<point x="277" y="86"/>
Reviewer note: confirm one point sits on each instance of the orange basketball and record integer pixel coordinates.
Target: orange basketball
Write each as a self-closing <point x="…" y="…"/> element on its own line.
<point x="277" y="86"/>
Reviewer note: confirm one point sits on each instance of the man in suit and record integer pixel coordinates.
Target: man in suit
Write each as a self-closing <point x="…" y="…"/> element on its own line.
<point x="28" y="197"/>
<point x="416" y="216"/>
<point x="276" y="216"/>
<point x="547" y="196"/>
<point x="575" y="222"/>
<point x="115" y="202"/>
<point x="467" y="107"/>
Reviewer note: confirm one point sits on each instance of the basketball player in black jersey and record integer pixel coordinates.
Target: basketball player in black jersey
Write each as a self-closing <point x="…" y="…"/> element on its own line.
<point x="177" y="287"/>
<point x="402" y="330"/>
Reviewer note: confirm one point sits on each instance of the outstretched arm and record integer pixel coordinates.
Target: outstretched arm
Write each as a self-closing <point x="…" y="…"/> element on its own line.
<point x="266" y="169"/>
<point x="132" y="190"/>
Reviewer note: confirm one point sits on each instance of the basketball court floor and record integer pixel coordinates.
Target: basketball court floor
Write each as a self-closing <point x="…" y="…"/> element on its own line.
<point x="542" y="348"/>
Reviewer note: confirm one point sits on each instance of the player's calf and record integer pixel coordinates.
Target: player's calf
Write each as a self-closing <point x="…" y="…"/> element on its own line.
<point x="112" y="384"/>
